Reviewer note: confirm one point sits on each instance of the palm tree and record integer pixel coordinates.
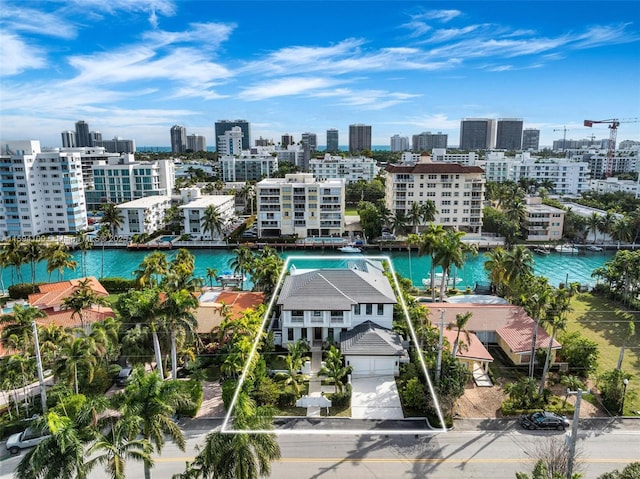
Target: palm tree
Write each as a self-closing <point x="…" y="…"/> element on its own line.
<point x="83" y="243"/>
<point x="239" y="455"/>
<point x="5" y="261"/>
<point x="177" y="311"/>
<point x="112" y="216"/>
<point x="58" y="258"/>
<point x="51" y="337"/>
<point x="399" y="222"/>
<point x="334" y="369"/>
<point x="155" y="402"/>
<point x="17" y="328"/>
<point x="242" y="262"/>
<point x="212" y="274"/>
<point x="33" y="254"/>
<point x="152" y="266"/>
<point x="459" y="325"/>
<point x="14" y="257"/>
<point x="118" y="445"/>
<point x="83" y="297"/>
<point x="622" y="230"/>
<point x="518" y="264"/>
<point x="495" y="266"/>
<point x="103" y="235"/>
<point x="266" y="273"/>
<point x="594" y="223"/>
<point x="76" y="355"/>
<point x="631" y="331"/>
<point x="427" y="243"/>
<point x="415" y="215"/>
<point x="607" y="223"/>
<point x="450" y="252"/>
<point x="212" y="221"/>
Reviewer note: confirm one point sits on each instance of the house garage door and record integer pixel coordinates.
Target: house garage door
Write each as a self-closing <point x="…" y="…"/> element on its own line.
<point x="371" y="365"/>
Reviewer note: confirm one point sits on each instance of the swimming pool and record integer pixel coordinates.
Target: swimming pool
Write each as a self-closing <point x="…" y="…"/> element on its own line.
<point x="320" y="240"/>
<point x="166" y="239"/>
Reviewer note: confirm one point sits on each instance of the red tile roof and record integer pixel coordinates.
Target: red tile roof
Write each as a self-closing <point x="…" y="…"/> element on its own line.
<point x="475" y="350"/>
<point x="518" y="336"/>
<point x="52" y="295"/>
<point x="485" y="317"/>
<point x="66" y="319"/>
<point x="208" y="313"/>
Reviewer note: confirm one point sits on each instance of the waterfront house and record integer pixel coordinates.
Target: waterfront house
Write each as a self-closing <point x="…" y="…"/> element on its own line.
<point x="212" y="306"/>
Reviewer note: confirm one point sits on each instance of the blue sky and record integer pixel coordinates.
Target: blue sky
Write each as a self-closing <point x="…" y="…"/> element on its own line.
<point x="134" y="68"/>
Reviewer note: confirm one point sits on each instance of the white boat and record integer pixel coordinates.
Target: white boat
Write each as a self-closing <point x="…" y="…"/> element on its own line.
<point x="426" y="282"/>
<point x="594" y="248"/>
<point x="542" y="251"/>
<point x="349" y="249"/>
<point x="567" y="248"/>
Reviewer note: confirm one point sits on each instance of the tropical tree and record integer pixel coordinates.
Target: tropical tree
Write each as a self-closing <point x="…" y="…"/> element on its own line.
<point x="103" y="235"/>
<point x="33" y="254"/>
<point x="631" y="331"/>
<point x="14" y="257"/>
<point x="415" y="215"/>
<point x="427" y="243"/>
<point x="119" y="444"/>
<point x="518" y="265"/>
<point x="459" y="325"/>
<point x="293" y="362"/>
<point x="399" y="222"/>
<point x="82" y="298"/>
<point x="112" y="216"/>
<point x="495" y="266"/>
<point x="58" y="258"/>
<point x="594" y="223"/>
<point x="83" y="243"/>
<point x="450" y="252"/>
<point x="152" y="267"/>
<point x="212" y="221"/>
<point x="178" y="319"/>
<point x="622" y="230"/>
<point x="607" y="223"/>
<point x="334" y="369"/>
<point x="212" y="274"/>
<point x="266" y="272"/>
<point x="242" y="262"/>
<point x="17" y="328"/>
<point x="76" y="357"/>
<point x="155" y="402"/>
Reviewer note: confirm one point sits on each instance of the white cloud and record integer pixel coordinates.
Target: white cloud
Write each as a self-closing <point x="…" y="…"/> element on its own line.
<point x="285" y="87"/>
<point x="206" y="35"/>
<point x="17" y="56"/>
<point x="166" y="8"/>
<point x="20" y="19"/>
<point x="442" y="15"/>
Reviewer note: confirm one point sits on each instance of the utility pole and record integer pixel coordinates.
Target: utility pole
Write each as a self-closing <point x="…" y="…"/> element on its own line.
<point x="440" y="341"/>
<point x="43" y="392"/>
<point x="574" y="431"/>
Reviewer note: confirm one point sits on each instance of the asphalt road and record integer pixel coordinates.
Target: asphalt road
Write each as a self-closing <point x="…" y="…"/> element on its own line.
<point x="464" y="454"/>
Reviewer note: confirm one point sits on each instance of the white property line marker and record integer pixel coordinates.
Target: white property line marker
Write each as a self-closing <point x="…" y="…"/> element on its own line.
<point x="298" y="431"/>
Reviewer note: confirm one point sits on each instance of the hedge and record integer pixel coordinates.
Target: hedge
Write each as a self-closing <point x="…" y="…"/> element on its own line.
<point x="117" y="285"/>
<point x="23" y="290"/>
<point x="194" y="389"/>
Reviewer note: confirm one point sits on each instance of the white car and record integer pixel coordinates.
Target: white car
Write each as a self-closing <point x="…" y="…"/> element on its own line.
<point x="27" y="438"/>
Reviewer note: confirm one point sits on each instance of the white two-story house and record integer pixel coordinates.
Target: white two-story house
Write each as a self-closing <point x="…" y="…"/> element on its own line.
<point x="353" y="304"/>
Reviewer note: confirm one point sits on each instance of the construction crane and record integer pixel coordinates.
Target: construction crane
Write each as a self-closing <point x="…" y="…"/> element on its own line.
<point x="613" y="123"/>
<point x="564" y="137"/>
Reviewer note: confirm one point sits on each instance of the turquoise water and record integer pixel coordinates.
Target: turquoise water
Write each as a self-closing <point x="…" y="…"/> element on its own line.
<point x="166" y="238"/>
<point x="117" y="262"/>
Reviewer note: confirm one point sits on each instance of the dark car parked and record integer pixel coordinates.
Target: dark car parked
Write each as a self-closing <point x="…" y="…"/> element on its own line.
<point x="544" y="420"/>
<point x="122" y="379"/>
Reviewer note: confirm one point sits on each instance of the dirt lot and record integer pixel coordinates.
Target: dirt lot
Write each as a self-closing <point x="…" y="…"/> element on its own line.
<point x="485" y="402"/>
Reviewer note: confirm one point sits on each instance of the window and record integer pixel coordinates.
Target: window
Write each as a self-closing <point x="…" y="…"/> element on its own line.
<point x="356" y="309"/>
<point x="317" y="314"/>
<point x="369" y="309"/>
<point x="290" y="334"/>
<point x="380" y="309"/>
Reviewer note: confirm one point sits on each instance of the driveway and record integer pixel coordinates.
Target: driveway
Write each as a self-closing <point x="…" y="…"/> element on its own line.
<point x="375" y="398"/>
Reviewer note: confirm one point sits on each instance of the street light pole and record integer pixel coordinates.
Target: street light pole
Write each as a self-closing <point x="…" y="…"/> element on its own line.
<point x="440" y="342"/>
<point x="43" y="392"/>
<point x="574" y="431"/>
<point x="625" y="381"/>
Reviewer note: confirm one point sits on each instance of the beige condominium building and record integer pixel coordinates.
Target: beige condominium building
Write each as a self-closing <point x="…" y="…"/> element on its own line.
<point x="543" y="222"/>
<point x="300" y="205"/>
<point x="456" y="190"/>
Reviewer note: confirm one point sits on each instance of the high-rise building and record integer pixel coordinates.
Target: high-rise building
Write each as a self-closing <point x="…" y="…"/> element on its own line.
<point x="426" y="141"/>
<point x="509" y="134"/>
<point x="262" y="142"/>
<point x="95" y="136"/>
<point x="117" y="145"/>
<point x="226" y="125"/>
<point x="477" y="133"/>
<point x="359" y="138"/>
<point x="46" y="193"/>
<point x="399" y="143"/>
<point x="286" y="140"/>
<point x="310" y="139"/>
<point x="531" y="139"/>
<point x="82" y="134"/>
<point x="332" y="140"/>
<point x="68" y="139"/>
<point x="178" y="139"/>
<point x="196" y="143"/>
<point x="230" y="142"/>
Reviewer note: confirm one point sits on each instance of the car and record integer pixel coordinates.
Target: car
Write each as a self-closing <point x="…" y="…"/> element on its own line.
<point x="544" y="420"/>
<point x="122" y="379"/>
<point x="30" y="437"/>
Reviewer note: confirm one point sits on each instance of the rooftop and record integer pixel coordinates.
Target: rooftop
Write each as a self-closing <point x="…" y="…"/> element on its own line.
<point x="146" y="202"/>
<point x="208" y="200"/>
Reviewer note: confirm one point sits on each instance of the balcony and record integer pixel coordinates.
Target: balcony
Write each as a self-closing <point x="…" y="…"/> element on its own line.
<point x="297" y="319"/>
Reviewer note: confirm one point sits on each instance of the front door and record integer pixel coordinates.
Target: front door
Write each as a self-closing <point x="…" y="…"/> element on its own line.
<point x="317" y="334"/>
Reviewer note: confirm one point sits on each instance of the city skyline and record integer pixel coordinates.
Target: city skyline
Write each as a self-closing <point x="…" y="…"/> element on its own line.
<point x="135" y="68"/>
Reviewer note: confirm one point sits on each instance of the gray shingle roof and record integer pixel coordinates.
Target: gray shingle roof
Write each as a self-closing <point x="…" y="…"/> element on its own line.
<point x="369" y="339"/>
<point x="334" y="289"/>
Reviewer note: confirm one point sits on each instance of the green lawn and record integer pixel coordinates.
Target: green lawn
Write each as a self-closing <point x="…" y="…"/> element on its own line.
<point x="351" y="211"/>
<point x="605" y="322"/>
<point x="112" y="299"/>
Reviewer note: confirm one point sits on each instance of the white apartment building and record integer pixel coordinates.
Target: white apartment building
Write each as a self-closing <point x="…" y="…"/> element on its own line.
<point x="568" y="177"/>
<point x="456" y="190"/>
<point x="194" y="208"/>
<point x="543" y="222"/>
<point x="622" y="162"/>
<point x="440" y="155"/>
<point x="614" y="185"/>
<point x="298" y="204"/>
<point x="399" y="143"/>
<point x="143" y="216"/>
<point x="248" y="167"/>
<point x="41" y="192"/>
<point x="351" y="169"/>
<point x="230" y="143"/>
<point x="90" y="155"/>
<point x="122" y="179"/>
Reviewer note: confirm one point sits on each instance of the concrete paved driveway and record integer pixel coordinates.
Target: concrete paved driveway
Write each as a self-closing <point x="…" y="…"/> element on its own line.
<point x="375" y="398"/>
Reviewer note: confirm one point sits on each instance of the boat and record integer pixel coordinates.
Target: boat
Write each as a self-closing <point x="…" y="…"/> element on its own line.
<point x="542" y="251"/>
<point x="567" y="248"/>
<point x="229" y="277"/>
<point x="426" y="282"/>
<point x="349" y="249"/>
<point x="594" y="248"/>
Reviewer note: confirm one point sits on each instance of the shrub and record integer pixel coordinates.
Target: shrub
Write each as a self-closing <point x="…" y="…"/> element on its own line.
<point x="267" y="393"/>
<point x="228" y="390"/>
<point x="413" y="394"/>
<point x="23" y="290"/>
<point x="102" y="380"/>
<point x="341" y="399"/>
<point x="287" y="398"/>
<point x="581" y="353"/>
<point x="194" y="389"/>
<point x="117" y="285"/>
